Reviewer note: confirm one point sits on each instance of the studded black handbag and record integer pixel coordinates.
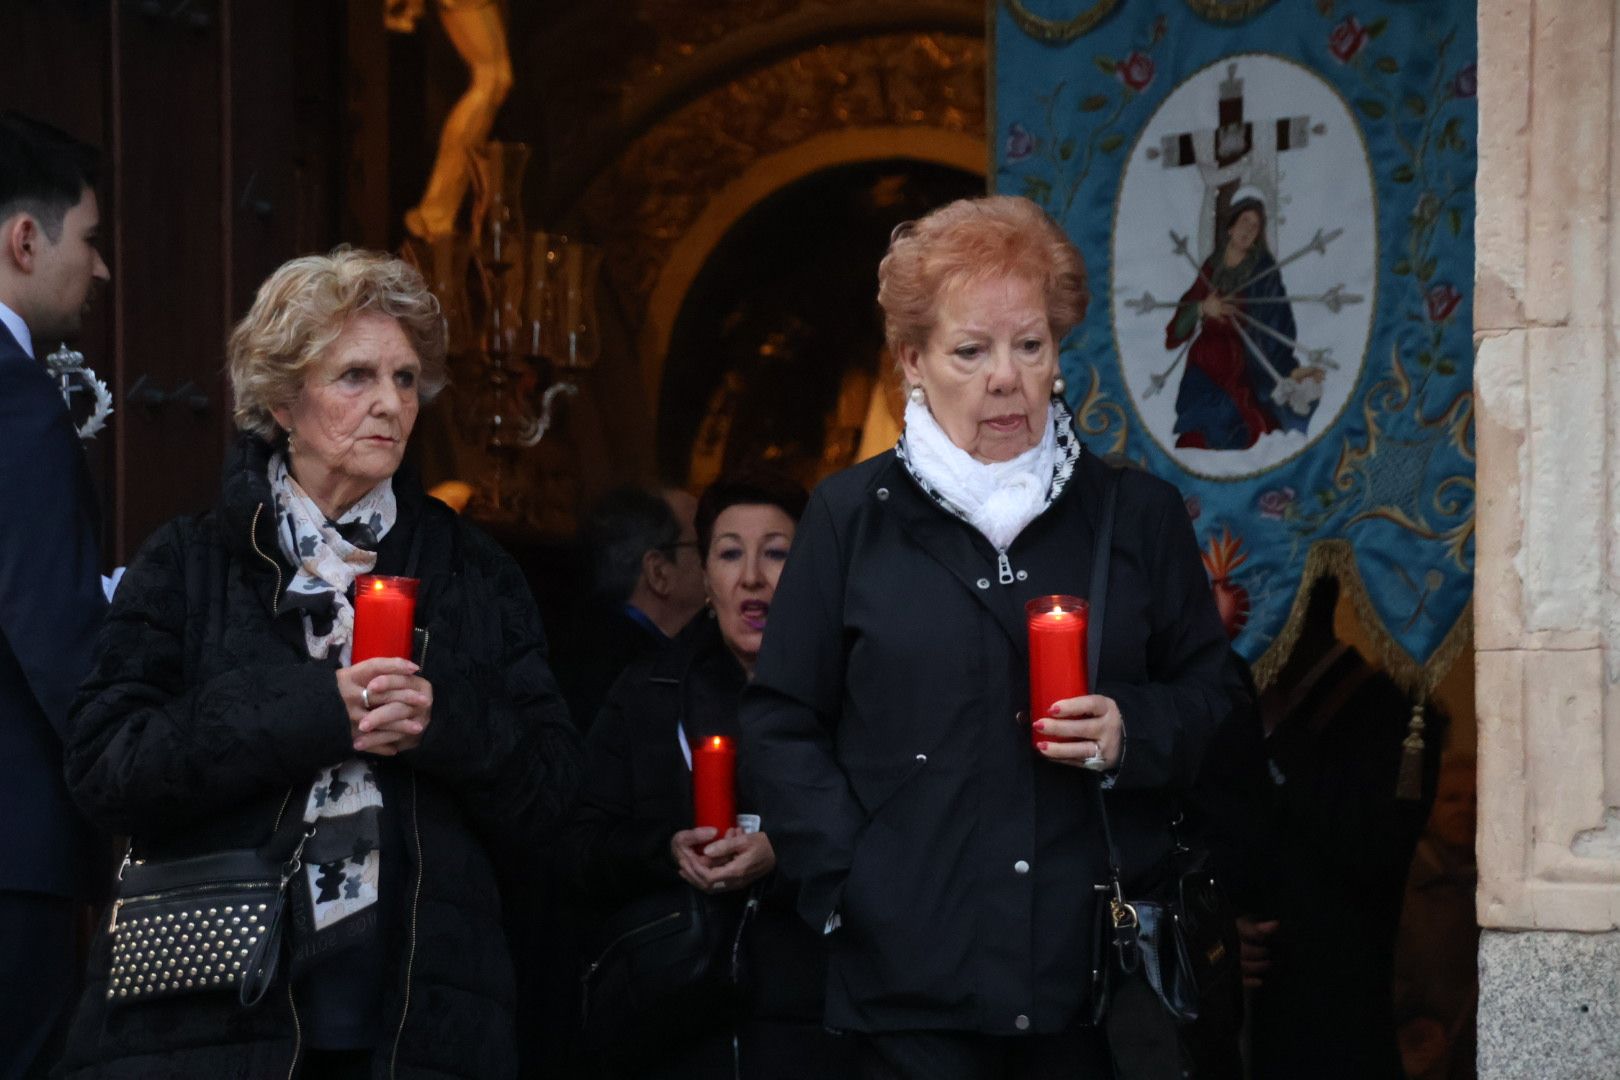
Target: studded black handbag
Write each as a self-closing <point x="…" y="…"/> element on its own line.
<point x="206" y="924"/>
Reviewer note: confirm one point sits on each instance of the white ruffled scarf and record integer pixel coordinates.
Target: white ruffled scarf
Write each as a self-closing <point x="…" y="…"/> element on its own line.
<point x="998" y="499"/>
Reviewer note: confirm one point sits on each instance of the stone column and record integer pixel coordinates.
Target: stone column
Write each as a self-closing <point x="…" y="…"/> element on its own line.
<point x="1547" y="587"/>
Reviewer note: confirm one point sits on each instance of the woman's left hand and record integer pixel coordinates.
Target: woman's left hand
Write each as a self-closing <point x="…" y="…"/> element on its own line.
<point x="1092" y="724"/>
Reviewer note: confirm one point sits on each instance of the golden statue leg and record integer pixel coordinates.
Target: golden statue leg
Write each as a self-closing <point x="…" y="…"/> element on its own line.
<point x="479" y="36"/>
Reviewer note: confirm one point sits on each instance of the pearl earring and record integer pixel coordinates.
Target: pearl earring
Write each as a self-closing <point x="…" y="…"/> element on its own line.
<point x="917" y="396"/>
<point x="1058" y="386"/>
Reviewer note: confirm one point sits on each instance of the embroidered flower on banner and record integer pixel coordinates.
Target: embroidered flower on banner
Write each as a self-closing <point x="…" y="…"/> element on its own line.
<point x="1020" y="143"/>
<point x="1466" y="84"/>
<point x="1274" y="503"/>
<point x="1135" y="71"/>
<point x="1347" y="39"/>
<point x="1442" y="300"/>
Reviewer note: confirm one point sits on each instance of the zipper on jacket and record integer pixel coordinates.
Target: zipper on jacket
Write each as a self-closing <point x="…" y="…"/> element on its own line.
<point x="1005" y="566"/>
<point x="298" y="1032"/>
<point x="616" y="942"/>
<point x="298" y="1028"/>
<point x="601" y="958"/>
<point x="410" y="954"/>
<point x="253" y="538"/>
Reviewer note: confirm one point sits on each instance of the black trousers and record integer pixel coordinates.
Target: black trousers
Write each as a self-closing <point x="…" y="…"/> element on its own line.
<point x="38" y="976"/>
<point x="1079" y="1054"/>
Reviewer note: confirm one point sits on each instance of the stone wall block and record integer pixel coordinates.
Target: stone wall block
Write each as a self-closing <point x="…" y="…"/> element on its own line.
<point x="1569" y="136"/>
<point x="1502" y="841"/>
<point x="1563" y="749"/>
<point x="1500" y="419"/>
<point x="1503" y="177"/>
<point x="1565" y="524"/>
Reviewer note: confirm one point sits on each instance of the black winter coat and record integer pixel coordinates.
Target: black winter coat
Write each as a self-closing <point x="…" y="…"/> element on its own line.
<point x="203" y="712"/>
<point x="884" y="737"/>
<point x="637" y="793"/>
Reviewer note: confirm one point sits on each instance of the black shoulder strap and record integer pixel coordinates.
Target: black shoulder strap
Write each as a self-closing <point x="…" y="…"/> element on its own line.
<point x="1097" y="607"/>
<point x="1097" y="598"/>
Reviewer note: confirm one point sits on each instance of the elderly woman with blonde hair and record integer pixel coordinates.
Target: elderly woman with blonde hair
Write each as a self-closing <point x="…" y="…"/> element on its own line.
<point x="948" y="852"/>
<point x="226" y="713"/>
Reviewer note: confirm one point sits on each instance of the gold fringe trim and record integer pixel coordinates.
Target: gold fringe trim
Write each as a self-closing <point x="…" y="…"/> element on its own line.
<point x="1336" y="558"/>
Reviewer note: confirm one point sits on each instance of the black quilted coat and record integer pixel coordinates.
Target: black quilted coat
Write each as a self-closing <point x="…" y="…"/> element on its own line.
<point x="204" y="710"/>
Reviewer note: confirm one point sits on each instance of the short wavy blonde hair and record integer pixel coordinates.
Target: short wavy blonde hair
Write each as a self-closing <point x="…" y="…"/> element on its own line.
<point x="973" y="240"/>
<point x="300" y="311"/>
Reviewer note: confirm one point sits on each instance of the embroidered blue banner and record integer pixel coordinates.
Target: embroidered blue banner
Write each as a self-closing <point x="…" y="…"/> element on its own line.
<point x="1275" y="205"/>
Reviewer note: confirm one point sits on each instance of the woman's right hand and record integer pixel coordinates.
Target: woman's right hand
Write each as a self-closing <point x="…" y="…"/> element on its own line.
<point x="394" y="715"/>
<point x="686" y="847"/>
<point x="1215" y="306"/>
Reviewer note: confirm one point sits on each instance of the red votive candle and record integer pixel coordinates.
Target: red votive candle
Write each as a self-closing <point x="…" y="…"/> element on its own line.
<point x="384" y="616"/>
<point x="1057" y="655"/>
<point x="714" y="784"/>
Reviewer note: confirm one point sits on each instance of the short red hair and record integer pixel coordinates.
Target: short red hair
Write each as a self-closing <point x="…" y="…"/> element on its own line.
<point x="974" y="240"/>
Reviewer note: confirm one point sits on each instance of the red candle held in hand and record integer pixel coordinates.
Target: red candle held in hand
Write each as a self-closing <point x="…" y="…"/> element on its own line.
<point x="714" y="784"/>
<point x="1057" y="655"/>
<point x="384" y="617"/>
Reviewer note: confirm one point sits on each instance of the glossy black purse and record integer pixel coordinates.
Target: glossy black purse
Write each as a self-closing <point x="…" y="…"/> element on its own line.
<point x="673" y="963"/>
<point x="1180" y="932"/>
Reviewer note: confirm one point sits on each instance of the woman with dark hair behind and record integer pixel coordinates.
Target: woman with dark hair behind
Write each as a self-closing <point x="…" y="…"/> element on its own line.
<point x="631" y="842"/>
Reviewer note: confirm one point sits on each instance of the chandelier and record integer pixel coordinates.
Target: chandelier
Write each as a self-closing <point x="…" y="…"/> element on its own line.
<point x="520" y="309"/>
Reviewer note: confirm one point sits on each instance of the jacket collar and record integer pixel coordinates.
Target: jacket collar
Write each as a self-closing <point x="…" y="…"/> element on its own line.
<point x="248" y="520"/>
<point x="1059" y="566"/>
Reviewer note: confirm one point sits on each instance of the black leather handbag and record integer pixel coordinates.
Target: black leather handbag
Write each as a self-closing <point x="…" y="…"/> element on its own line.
<point x="205" y="924"/>
<point x="1180" y="933"/>
<point x="673" y="964"/>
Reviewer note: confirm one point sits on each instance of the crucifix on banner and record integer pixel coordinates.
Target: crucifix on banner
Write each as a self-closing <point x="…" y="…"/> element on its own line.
<point x="1236" y="153"/>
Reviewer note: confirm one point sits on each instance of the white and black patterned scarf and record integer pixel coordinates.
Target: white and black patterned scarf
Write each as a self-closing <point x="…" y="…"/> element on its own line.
<point x="342" y="860"/>
<point x="998" y="499"/>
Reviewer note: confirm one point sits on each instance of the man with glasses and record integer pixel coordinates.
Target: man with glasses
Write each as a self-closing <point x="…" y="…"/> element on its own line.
<point x="647" y="583"/>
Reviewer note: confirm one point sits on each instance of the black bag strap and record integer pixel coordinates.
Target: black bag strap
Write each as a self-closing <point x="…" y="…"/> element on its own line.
<point x="1097" y="606"/>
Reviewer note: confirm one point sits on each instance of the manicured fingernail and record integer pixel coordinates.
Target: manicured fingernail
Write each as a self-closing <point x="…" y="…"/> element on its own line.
<point x="1040" y="725"/>
<point x="1041" y="746"/>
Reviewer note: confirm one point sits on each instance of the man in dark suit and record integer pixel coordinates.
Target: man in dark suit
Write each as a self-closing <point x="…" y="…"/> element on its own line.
<point x="51" y="601"/>
<point x="647" y="583"/>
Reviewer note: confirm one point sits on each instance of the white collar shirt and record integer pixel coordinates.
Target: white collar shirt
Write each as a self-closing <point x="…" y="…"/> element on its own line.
<point x="19" y="330"/>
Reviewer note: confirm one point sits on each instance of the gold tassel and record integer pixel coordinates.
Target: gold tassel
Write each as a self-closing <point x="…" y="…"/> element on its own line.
<point x="1409" y="785"/>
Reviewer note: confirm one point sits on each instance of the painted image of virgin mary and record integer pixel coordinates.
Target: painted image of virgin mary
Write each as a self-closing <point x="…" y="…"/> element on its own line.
<point x="1242" y="379"/>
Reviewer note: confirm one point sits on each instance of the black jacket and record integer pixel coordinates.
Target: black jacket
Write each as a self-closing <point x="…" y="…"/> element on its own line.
<point x="883" y="737"/>
<point x="50" y="609"/>
<point x="204" y="711"/>
<point x="1345" y="844"/>
<point x="637" y="793"/>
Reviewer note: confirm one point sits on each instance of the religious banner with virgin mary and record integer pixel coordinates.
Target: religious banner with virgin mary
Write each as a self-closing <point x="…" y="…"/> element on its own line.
<point x="1275" y="205"/>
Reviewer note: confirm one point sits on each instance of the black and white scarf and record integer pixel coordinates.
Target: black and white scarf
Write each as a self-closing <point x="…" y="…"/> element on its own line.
<point x="342" y="861"/>
<point x="998" y="499"/>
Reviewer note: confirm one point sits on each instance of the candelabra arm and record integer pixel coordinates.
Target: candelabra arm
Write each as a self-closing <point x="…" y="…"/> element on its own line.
<point x="543" y="424"/>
